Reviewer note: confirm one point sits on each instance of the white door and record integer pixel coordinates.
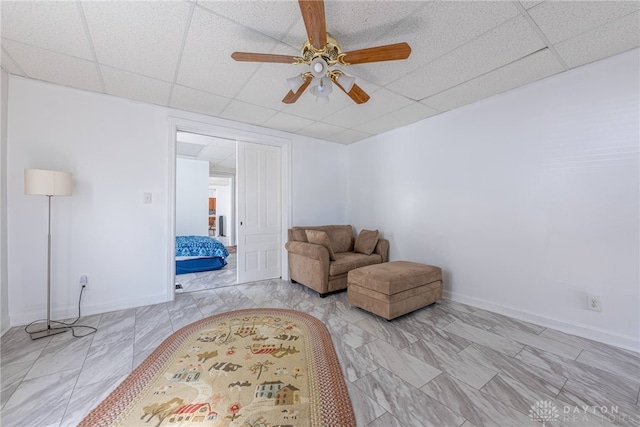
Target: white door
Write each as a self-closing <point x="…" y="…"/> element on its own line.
<point x="259" y="212"/>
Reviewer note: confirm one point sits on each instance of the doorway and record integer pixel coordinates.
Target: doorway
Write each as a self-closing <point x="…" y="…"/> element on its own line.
<point x="227" y="222"/>
<point x="205" y="208"/>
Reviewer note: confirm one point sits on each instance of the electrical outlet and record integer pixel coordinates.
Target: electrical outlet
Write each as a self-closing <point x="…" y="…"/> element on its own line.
<point x="593" y="303"/>
<point x="83" y="281"/>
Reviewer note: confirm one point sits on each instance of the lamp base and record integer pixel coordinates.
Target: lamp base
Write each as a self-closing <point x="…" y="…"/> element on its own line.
<point x="46" y="333"/>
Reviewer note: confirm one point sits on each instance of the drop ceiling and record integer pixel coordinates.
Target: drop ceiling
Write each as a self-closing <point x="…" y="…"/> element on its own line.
<point x="219" y="152"/>
<point x="177" y="54"/>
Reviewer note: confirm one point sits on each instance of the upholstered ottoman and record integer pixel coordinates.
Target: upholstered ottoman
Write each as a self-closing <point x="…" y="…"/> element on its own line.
<point x="392" y="289"/>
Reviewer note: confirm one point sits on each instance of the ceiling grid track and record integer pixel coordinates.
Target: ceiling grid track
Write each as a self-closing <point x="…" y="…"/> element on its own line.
<point x="93" y="50"/>
<point x="180" y="53"/>
<point x="4" y="52"/>
<point x="540" y="34"/>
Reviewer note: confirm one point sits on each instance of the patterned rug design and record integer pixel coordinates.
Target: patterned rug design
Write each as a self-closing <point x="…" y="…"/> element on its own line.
<point x="253" y="368"/>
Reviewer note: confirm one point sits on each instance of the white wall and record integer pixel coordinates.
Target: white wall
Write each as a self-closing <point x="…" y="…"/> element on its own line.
<point x="117" y="150"/>
<point x="192" y="197"/>
<point x="4" y="281"/>
<point x="320" y="198"/>
<point x="528" y="200"/>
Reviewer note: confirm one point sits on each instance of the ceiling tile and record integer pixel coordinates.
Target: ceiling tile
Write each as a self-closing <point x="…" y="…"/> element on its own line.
<point x="430" y="33"/>
<point x="134" y="86"/>
<point x="229" y="162"/>
<point x="526" y="70"/>
<point x="604" y="41"/>
<point x="247" y="113"/>
<point x="528" y="4"/>
<point x="401" y="117"/>
<point x="195" y="138"/>
<point x="560" y="20"/>
<point x="187" y="149"/>
<point x="222" y="143"/>
<point x="216" y="154"/>
<point x="271" y="18"/>
<point x="9" y="65"/>
<point x="357" y="24"/>
<point x="348" y="136"/>
<point x="500" y="46"/>
<point x="269" y="85"/>
<point x="287" y="122"/>
<point x="382" y="102"/>
<point x="157" y="27"/>
<point x="320" y="130"/>
<point x="206" y="62"/>
<point x="54" y="67"/>
<point x="197" y="101"/>
<point x="54" y="25"/>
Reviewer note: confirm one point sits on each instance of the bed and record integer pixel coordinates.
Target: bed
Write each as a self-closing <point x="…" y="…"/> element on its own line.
<point x="199" y="253"/>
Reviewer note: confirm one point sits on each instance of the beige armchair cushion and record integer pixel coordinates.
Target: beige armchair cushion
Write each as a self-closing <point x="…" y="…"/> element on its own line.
<point x="320" y="238"/>
<point x="347" y="261"/>
<point x="341" y="238"/>
<point x="299" y="235"/>
<point x="366" y="241"/>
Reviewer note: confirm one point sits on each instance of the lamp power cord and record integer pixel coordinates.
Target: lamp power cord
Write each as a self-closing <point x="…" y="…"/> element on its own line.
<point x="66" y="326"/>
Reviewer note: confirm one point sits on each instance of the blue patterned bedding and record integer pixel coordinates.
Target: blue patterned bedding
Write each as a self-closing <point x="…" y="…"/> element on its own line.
<point x="202" y="246"/>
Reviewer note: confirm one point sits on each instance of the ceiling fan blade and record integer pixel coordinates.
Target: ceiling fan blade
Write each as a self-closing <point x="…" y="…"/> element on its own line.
<point x="264" y="57"/>
<point x="391" y="52"/>
<point x="356" y="93"/>
<point x="314" y="21"/>
<point x="291" y="97"/>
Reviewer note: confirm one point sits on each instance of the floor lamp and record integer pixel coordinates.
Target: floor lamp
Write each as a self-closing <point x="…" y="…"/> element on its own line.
<point x="48" y="183"/>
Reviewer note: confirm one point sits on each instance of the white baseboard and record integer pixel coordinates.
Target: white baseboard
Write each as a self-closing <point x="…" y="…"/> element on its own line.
<point x="581" y="330"/>
<point x="72" y="312"/>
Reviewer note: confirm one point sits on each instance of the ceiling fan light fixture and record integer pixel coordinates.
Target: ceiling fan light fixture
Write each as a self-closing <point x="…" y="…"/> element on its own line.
<point x="319" y="67"/>
<point x="346" y="82"/>
<point x="320" y="52"/>
<point x="295" y="83"/>
<point x="322" y="99"/>
<point x="322" y="87"/>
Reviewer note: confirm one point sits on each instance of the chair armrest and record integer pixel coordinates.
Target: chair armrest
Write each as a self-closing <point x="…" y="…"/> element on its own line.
<point x="308" y="250"/>
<point x="382" y="248"/>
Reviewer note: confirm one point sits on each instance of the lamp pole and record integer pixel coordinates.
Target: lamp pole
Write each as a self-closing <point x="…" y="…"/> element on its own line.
<point x="48" y="332"/>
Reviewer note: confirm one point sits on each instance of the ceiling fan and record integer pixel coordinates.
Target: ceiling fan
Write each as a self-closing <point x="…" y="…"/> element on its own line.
<point x="321" y="52"/>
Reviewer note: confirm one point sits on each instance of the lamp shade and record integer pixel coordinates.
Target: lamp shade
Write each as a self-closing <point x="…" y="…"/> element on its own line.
<point x="295" y="83"/>
<point x="346" y="82"/>
<point x="38" y="182"/>
<point x="322" y="88"/>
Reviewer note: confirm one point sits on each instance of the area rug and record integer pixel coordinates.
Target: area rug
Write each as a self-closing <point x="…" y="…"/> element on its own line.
<point x="254" y="368"/>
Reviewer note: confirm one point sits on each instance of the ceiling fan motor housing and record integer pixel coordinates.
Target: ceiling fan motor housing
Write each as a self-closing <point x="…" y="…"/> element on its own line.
<point x="331" y="54"/>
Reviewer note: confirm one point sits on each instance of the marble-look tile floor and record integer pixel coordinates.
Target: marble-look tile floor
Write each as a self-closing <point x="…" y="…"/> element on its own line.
<point x="444" y="365"/>
<point x="226" y="276"/>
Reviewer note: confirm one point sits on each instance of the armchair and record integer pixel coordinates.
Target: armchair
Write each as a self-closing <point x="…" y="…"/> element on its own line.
<point x="311" y="264"/>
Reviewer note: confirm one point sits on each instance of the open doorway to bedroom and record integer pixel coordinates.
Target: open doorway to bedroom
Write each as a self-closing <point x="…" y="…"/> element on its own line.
<point x="261" y="187"/>
<point x="206" y="251"/>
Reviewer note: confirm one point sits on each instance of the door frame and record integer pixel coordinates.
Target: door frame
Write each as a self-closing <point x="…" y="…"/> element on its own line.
<point x="215" y="130"/>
